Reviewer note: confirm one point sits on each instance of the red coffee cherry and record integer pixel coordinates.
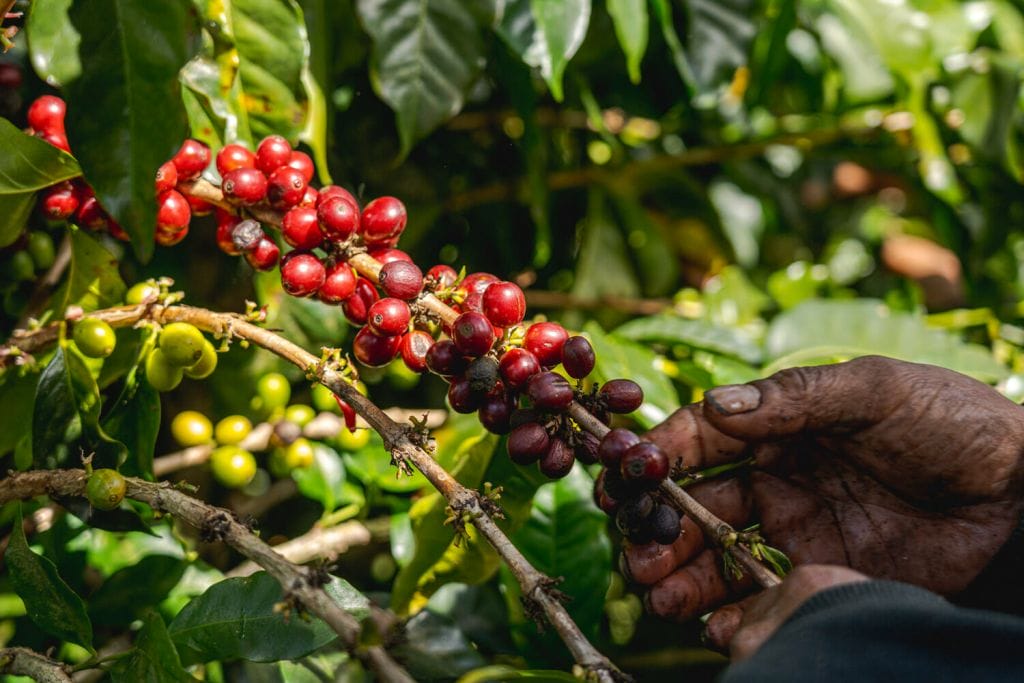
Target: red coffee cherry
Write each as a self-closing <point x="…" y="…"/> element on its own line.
<point x="59" y="201"/>
<point x="621" y="395"/>
<point x="357" y="306"/>
<point x="527" y="443"/>
<point x="310" y="197"/>
<point x="578" y="357"/>
<point x="272" y="152"/>
<point x="382" y="219"/>
<point x="558" y="461"/>
<point x="166" y="177"/>
<point x="339" y="218"/>
<point x="614" y="445"/>
<point x="388" y="254"/>
<point x="373" y="350"/>
<point x="415" y="346"/>
<point x="301" y="162"/>
<point x="445" y="359"/>
<point x="285" y="187"/>
<point x="302" y="273"/>
<point x="58" y="140"/>
<point x="264" y="255"/>
<point x="173" y="212"/>
<point x="339" y="283"/>
<point x="545" y="340"/>
<point x="244" y="185"/>
<point x="550" y="391"/>
<point x="504" y="304"/>
<point x="225" y="241"/>
<point x="91" y="215"/>
<point x="191" y="159"/>
<point x="301" y="229"/>
<point x="441" y="277"/>
<point x="472" y="334"/>
<point x="169" y="239"/>
<point x="388" y="317"/>
<point x="644" y="464"/>
<point x="232" y="157"/>
<point x="401" y="279"/>
<point x="517" y="366"/>
<point x="46" y="114"/>
<point x="476" y="283"/>
<point x="462" y="398"/>
<point x="495" y="412"/>
<point x="328" y="191"/>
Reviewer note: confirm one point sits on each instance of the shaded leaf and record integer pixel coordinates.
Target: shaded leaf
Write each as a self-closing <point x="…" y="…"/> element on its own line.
<point x="603" y="266"/>
<point x="154" y="659"/>
<point x="135" y="421"/>
<point x="50" y="603"/>
<point x="55" y="419"/>
<point x="700" y="334"/>
<point x="372" y="466"/>
<point x="93" y="280"/>
<point x="499" y="673"/>
<point x="433" y="647"/>
<point x="118" y="519"/>
<point x="630" y="19"/>
<point x="17" y="396"/>
<point x="53" y="42"/>
<point x="129" y="591"/>
<point x="324" y="479"/>
<point x="663" y="13"/>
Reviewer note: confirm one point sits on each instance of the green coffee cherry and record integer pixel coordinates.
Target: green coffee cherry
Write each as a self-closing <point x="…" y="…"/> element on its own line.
<point x="206" y="365"/>
<point x="94" y="337"/>
<point x="182" y="344"/>
<point x="353" y="441"/>
<point x="273" y="391"/>
<point x="105" y="489"/>
<point x="20" y="266"/>
<point x="40" y="248"/>
<point x="140" y="292"/>
<point x="232" y="430"/>
<point x="232" y="466"/>
<point x="162" y="375"/>
<point x="191" y="428"/>
<point x="323" y="399"/>
<point x="299" y="414"/>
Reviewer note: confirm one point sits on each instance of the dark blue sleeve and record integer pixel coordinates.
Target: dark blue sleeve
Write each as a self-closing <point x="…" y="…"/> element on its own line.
<point x="887" y="631"/>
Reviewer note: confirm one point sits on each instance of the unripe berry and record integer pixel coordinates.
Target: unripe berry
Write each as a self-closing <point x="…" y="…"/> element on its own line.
<point x="162" y="375"/>
<point x="40" y="248"/>
<point x="517" y="367"/>
<point x="302" y="273"/>
<point x="46" y="114"/>
<point x="578" y="357"/>
<point x="621" y="395"/>
<point x="545" y="340"/>
<point x="645" y="465"/>
<point x="472" y="334"/>
<point x="273" y="391"/>
<point x="285" y="187"/>
<point x="301" y="162"/>
<point x="401" y="279"/>
<point x="445" y="359"/>
<point x="173" y="213"/>
<point x="264" y="255"/>
<point x="388" y="317"/>
<point x="191" y="428"/>
<point x="558" y="461"/>
<point x="166" y="177"/>
<point x="373" y="350"/>
<point x="357" y="307"/>
<point x="232" y="157"/>
<point x="339" y="283"/>
<point x="272" y="152"/>
<point x="504" y="304"/>
<point x="245" y="186"/>
<point x="382" y="219"/>
<point x="414" y="349"/>
<point x="232" y="466"/>
<point x="232" y="430"/>
<point x="299" y="454"/>
<point x="191" y="159"/>
<point x="614" y="445"/>
<point x="550" y="391"/>
<point x="206" y="364"/>
<point x="182" y="344"/>
<point x="339" y="218"/>
<point x="105" y="489"/>
<point x="527" y="443"/>
<point x="94" y="337"/>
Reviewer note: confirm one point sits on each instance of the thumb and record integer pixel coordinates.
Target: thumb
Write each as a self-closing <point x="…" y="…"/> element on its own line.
<point x="826" y="399"/>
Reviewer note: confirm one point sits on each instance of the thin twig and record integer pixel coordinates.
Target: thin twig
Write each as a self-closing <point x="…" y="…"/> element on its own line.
<point x="21" y="661"/>
<point x="298" y="583"/>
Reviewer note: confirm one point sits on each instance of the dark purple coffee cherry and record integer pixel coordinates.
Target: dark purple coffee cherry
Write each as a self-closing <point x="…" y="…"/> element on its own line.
<point x="664" y="523"/>
<point x="645" y="465"/>
<point x="577" y="357"/>
<point x="621" y="395"/>
<point x="550" y="391"/>
<point x="527" y="443"/>
<point x="558" y="461"/>
<point x="522" y="416"/>
<point x="496" y="412"/>
<point x="614" y="445"/>
<point x="586" y="448"/>
<point x="401" y="279"/>
<point x="633" y="513"/>
<point x="472" y="333"/>
<point x="462" y="398"/>
<point x="446" y="360"/>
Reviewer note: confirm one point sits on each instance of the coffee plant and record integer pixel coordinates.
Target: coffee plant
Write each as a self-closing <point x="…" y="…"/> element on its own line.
<point x="231" y="231"/>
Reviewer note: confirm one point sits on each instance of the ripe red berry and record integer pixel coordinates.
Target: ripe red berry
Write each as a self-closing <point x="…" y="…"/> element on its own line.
<point x="46" y="114"/>
<point x="614" y="445"/>
<point x="550" y="391"/>
<point x="199" y="206"/>
<point x="386" y="254"/>
<point x="339" y="283"/>
<point x="644" y="464"/>
<point x="357" y="306"/>
<point x="191" y="159"/>
<point x="59" y="201"/>
<point x="621" y="395"/>
<point x="168" y="239"/>
<point x="328" y="191"/>
<point x="286" y="187"/>
<point x="414" y="349"/>
<point x="58" y="140"/>
<point x="272" y="152"/>
<point x="302" y="273"/>
<point x="461" y="397"/>
<point x="382" y="219"/>
<point x="264" y="255"/>
<point x="232" y="157"/>
<point x="441" y="277"/>
<point x="225" y="242"/>
<point x="472" y="334"/>
<point x="517" y="366"/>
<point x="339" y="218"/>
<point x="173" y="212"/>
<point x="300" y="228"/>
<point x="495" y="411"/>
<point x="166" y="177"/>
<point x="91" y="215"/>
<point x="445" y="359"/>
<point x="545" y="341"/>
<point x="310" y="197"/>
<point x="388" y="317"/>
<point x="401" y="279"/>
<point x="301" y="162"/>
<point x="527" y="443"/>
<point x="558" y="461"/>
<point x="504" y="304"/>
<point x="373" y="350"/>
<point x="578" y="357"/>
<point x="245" y="185"/>
<point x="476" y="283"/>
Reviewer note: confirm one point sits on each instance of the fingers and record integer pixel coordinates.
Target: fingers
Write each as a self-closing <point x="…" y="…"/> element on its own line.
<point x="827" y="399"/>
<point x="724" y="622"/>
<point x="696" y="588"/>
<point x="689" y="441"/>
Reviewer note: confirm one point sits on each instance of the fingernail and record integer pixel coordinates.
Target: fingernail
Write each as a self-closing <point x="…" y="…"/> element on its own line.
<point x="734" y="399"/>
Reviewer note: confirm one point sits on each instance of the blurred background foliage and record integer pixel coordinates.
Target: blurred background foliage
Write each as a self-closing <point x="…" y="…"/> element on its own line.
<point x="710" y="190"/>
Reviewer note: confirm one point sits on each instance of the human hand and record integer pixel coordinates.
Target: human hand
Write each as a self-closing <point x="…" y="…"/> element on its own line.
<point x="898" y="470"/>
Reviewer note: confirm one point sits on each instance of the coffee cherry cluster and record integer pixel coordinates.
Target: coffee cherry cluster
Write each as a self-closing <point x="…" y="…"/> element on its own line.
<point x="181" y="351"/>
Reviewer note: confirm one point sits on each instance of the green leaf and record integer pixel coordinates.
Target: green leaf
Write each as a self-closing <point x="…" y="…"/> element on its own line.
<point x="53" y="42"/>
<point x="698" y="334"/>
<point x="216" y="113"/>
<point x="27" y="165"/>
<point x="129" y="591"/>
<point x="617" y="357"/>
<point x="93" y="280"/>
<point x="125" y="115"/>
<point x="434" y="648"/>
<point x="50" y="603"/>
<point x="55" y="419"/>
<point x="324" y="479"/>
<point x="546" y="34"/>
<point x="135" y="421"/>
<point x="603" y="267"/>
<point x="17" y="395"/>
<point x="372" y="466"/>
<point x="630" y="19"/>
<point x="236" y="619"/>
<point x="154" y="659"/>
<point x="426" y="55"/>
<point x="819" y="331"/>
<point x="119" y="519"/>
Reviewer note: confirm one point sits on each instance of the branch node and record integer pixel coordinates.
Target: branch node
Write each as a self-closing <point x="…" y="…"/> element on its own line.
<point x="489" y="500"/>
<point x="215" y="527"/>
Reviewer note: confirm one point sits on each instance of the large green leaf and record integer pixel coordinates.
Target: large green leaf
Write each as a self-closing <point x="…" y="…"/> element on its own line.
<point x="53" y="41"/>
<point x="27" y="165"/>
<point x="324" y="479"/>
<point x="129" y="591"/>
<point x="93" y="280"/>
<point x="236" y="619"/>
<point x="426" y="55"/>
<point x="125" y="115"/>
<point x="433" y="647"/>
<point x="618" y="357"/>
<point x="698" y="334"/>
<point x="154" y="659"/>
<point x="546" y="34"/>
<point x="135" y="421"/>
<point x="819" y="331"/>
<point x="630" y="18"/>
<point x="17" y="395"/>
<point x="50" y="603"/>
<point x="603" y="267"/>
